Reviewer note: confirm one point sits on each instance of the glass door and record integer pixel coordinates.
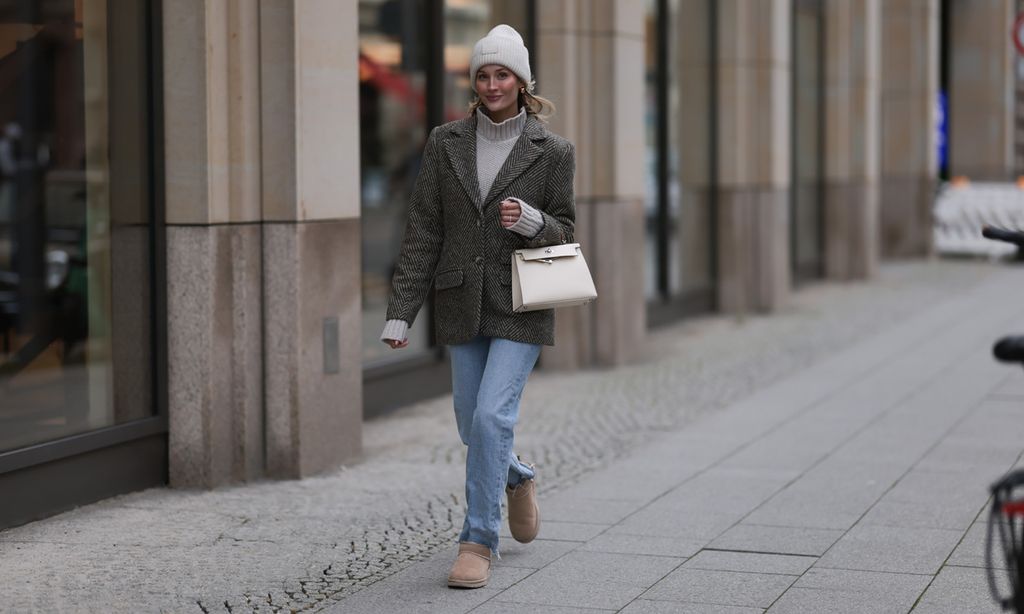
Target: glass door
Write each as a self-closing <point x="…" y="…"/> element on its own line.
<point x="679" y="124"/>
<point x="807" y="217"/>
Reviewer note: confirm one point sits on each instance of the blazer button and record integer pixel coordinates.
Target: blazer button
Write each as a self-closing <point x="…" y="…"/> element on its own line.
<point x="479" y="260"/>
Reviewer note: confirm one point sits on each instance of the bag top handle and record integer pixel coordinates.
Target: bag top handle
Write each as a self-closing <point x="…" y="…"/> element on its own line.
<point x="549" y="252"/>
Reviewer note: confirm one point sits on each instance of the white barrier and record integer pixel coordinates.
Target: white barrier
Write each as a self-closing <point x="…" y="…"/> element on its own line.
<point x="961" y="211"/>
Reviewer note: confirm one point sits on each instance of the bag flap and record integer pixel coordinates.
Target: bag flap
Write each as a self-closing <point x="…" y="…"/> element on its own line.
<point x="549" y="252"/>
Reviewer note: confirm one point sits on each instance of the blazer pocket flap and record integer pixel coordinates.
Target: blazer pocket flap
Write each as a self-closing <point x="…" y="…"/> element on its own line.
<point x="549" y="252"/>
<point x="448" y="279"/>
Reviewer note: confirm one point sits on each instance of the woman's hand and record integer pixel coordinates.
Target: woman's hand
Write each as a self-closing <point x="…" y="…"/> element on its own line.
<point x="509" y="211"/>
<point x="397" y="345"/>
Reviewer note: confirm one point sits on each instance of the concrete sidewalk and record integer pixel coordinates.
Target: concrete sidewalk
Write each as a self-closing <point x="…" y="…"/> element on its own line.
<point x="833" y="457"/>
<point x="857" y="485"/>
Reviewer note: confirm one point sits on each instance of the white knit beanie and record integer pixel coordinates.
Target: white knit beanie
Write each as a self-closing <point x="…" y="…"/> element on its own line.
<point x="503" y="46"/>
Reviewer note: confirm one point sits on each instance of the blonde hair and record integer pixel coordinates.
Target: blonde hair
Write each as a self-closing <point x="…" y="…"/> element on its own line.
<point x="538" y="106"/>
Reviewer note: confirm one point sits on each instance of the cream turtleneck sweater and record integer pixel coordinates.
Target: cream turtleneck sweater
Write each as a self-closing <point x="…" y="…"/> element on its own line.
<point x="494" y="142"/>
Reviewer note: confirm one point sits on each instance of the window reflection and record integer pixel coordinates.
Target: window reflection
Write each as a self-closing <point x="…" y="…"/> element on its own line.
<point x="58" y="232"/>
<point x="392" y="116"/>
<point x="466" y="22"/>
<point x="393" y="51"/>
<point x="807" y="215"/>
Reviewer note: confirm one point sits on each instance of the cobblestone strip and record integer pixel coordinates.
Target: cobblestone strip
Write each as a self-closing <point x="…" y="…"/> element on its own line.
<point x="573" y="424"/>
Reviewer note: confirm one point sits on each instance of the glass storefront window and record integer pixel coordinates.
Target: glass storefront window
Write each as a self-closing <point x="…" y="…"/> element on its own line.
<point x="394" y="52"/>
<point x="651" y="124"/>
<point x="679" y="215"/>
<point x="807" y="256"/>
<point x="393" y="131"/>
<point x="690" y="151"/>
<point x="75" y="248"/>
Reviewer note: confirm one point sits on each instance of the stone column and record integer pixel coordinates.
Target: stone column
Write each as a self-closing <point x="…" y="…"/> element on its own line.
<point x="981" y="90"/>
<point x="754" y="72"/>
<point x="910" y="84"/>
<point x="591" y="66"/>
<point x="211" y="136"/>
<point x="262" y="204"/>
<point x="852" y="96"/>
<point x="312" y="348"/>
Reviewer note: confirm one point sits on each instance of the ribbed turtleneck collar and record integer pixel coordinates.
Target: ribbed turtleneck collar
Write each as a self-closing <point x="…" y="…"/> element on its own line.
<point x="511" y="128"/>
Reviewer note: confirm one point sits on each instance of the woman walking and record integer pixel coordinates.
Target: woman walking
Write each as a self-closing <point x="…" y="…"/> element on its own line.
<point x="489" y="184"/>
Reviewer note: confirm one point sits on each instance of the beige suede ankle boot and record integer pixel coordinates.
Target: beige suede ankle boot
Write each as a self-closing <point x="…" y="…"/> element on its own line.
<point x="472" y="568"/>
<point x="523" y="511"/>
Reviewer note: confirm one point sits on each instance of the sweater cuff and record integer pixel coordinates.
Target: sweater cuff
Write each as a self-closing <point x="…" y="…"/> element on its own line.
<point x="395" y="330"/>
<point x="530" y="221"/>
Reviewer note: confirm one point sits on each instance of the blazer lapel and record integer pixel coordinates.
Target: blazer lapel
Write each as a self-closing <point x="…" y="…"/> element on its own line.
<point x="462" y="156"/>
<point x="523" y="154"/>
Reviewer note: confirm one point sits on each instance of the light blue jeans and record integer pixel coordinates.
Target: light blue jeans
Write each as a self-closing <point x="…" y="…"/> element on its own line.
<point x="488" y="375"/>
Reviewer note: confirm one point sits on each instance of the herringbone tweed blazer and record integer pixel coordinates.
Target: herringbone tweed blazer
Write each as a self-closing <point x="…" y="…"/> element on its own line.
<point x="456" y="241"/>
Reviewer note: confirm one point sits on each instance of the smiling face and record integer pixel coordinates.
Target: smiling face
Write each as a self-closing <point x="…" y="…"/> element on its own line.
<point x="498" y="89"/>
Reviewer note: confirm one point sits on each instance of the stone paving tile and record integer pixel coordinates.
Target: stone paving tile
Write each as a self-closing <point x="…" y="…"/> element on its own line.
<point x="591" y="579"/>
<point x="833" y="495"/>
<point x="958" y="453"/>
<point x="970" y="552"/>
<point x="566" y="531"/>
<point x="436" y="568"/>
<point x="892" y="549"/>
<point x="720" y="588"/>
<point x="504" y="607"/>
<point x="779" y="540"/>
<point x="560" y="507"/>
<point x="646" y="606"/>
<point x="622" y="483"/>
<point x="1013" y="385"/>
<point x="931" y="499"/>
<point x="957" y="590"/>
<point x="995" y="420"/>
<point x="840" y="591"/>
<point x="536" y="554"/>
<point x="750" y="562"/>
<point x="686" y="525"/>
<point x="814" y="601"/>
<point x="723" y="489"/>
<point x="415" y="595"/>
<point x="654" y="545"/>
<point x="923" y="516"/>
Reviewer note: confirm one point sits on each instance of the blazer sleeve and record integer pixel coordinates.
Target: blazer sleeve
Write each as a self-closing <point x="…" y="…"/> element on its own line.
<point x="559" y="207"/>
<point x="421" y="244"/>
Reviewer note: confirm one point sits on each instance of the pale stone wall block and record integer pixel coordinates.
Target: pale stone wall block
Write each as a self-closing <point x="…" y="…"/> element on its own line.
<point x="309" y="86"/>
<point x="981" y="92"/>
<point x="186" y="173"/>
<point x="908" y="157"/>
<point x="628" y="167"/>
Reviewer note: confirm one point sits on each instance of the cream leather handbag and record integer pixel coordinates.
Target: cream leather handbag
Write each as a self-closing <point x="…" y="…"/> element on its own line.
<point x="549" y="277"/>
